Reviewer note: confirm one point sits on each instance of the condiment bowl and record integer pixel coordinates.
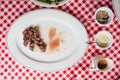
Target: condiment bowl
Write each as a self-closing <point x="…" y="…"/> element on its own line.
<point x="110" y="14"/>
<point x="110" y="40"/>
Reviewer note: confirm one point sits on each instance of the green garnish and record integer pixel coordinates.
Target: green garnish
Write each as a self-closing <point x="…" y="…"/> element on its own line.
<point x="50" y="1"/>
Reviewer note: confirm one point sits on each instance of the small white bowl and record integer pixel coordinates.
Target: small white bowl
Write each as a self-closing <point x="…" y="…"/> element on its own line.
<point x="49" y="5"/>
<point x="110" y="40"/>
<point x="95" y="61"/>
<point x="110" y="13"/>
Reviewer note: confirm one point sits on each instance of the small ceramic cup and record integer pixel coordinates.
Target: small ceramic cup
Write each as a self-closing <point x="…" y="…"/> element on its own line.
<point x="98" y="64"/>
<point x="108" y="35"/>
<point x="110" y="14"/>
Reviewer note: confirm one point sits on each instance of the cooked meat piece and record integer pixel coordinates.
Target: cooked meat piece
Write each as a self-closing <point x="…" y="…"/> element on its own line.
<point x="32" y="36"/>
<point x="36" y="31"/>
<point x="26" y="38"/>
<point x="41" y="45"/>
<point x="26" y="42"/>
<point x="32" y="45"/>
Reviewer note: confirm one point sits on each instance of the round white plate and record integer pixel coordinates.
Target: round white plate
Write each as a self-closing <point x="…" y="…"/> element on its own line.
<point x="116" y="4"/>
<point x="76" y="37"/>
<point x="49" y="5"/>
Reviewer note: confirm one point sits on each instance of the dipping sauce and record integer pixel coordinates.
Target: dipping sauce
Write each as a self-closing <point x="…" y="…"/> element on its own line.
<point x="102" y="16"/>
<point x="102" y="40"/>
<point x="54" y="39"/>
<point x="102" y="64"/>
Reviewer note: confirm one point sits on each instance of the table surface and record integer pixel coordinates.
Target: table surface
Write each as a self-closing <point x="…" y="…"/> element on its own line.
<point x="83" y="10"/>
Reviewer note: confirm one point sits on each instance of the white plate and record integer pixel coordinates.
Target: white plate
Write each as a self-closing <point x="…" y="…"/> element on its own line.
<point x="49" y="5"/>
<point x="62" y="21"/>
<point x="116" y="4"/>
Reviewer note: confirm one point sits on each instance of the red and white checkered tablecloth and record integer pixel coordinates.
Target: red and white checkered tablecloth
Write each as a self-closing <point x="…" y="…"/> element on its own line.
<point x="81" y="9"/>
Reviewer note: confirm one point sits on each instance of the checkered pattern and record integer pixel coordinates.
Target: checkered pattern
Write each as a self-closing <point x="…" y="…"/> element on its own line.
<point x="81" y="9"/>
